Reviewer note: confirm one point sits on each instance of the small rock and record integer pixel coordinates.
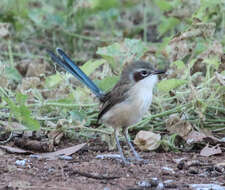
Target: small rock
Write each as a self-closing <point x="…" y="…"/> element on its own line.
<point x="104" y="156"/>
<point x="21" y="162"/>
<point x="170" y="184"/>
<point x="35" y="156"/>
<point x="143" y="183"/>
<point x="168" y="169"/>
<point x="160" y="186"/>
<point x="193" y="171"/>
<point x="181" y="165"/>
<point x="204" y="174"/>
<point x="154" y="181"/>
<point x="64" y="157"/>
<point x="178" y="160"/>
<point x="194" y="163"/>
<point x="168" y="181"/>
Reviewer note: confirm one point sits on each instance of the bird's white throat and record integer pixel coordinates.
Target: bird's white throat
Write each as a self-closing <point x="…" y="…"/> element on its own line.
<point x="141" y="93"/>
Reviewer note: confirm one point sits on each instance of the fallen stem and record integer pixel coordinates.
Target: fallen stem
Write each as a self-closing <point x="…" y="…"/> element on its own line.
<point x="88" y="175"/>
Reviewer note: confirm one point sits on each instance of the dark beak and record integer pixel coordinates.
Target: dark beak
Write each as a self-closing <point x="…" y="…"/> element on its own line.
<point x="157" y="72"/>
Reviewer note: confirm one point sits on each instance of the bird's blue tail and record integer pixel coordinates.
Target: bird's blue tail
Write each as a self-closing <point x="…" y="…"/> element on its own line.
<point x="65" y="62"/>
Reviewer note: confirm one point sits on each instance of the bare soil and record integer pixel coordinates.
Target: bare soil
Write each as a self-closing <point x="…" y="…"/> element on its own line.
<point x="86" y="172"/>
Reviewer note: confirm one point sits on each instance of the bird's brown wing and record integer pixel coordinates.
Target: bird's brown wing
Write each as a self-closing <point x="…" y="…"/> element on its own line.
<point x="113" y="97"/>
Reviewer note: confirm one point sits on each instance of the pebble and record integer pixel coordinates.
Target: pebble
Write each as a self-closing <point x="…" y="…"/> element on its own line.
<point x="170" y="184"/>
<point x="35" y="156"/>
<point x="64" y="157"/>
<point x="193" y="171"/>
<point x="143" y="183"/>
<point x="154" y="181"/>
<point x="21" y="162"/>
<point x="168" y="169"/>
<point x="160" y="186"/>
<point x="104" y="156"/>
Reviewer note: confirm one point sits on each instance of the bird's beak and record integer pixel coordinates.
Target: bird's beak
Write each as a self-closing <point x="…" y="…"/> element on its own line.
<point x="157" y="72"/>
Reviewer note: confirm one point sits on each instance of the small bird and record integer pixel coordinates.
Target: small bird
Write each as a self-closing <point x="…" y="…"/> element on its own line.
<point x="126" y="103"/>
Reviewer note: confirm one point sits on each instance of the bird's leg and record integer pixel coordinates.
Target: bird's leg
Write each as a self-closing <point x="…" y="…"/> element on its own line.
<point x="137" y="156"/>
<point x="119" y="147"/>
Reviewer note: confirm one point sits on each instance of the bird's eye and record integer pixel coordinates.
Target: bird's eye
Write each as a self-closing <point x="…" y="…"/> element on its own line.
<point x="139" y="75"/>
<point x="144" y="73"/>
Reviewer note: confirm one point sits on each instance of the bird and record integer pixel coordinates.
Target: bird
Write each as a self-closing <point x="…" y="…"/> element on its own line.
<point x="126" y="103"/>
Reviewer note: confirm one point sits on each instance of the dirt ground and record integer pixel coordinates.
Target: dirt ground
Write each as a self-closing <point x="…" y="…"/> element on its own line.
<point x="84" y="171"/>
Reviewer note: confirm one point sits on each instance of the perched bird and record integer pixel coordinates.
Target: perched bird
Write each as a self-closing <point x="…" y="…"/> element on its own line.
<point x="128" y="100"/>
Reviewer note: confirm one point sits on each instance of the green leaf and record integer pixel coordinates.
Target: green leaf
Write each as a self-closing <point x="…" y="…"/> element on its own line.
<point x="35" y="16"/>
<point x="128" y="50"/>
<point x="53" y="80"/>
<point x="78" y="115"/>
<point x="167" y="85"/>
<point x="107" y="83"/>
<point x="213" y="61"/>
<point x="21" y="98"/>
<point x="200" y="47"/>
<point x="207" y="9"/>
<point x="167" y="24"/>
<point x="111" y="50"/>
<point x="90" y="66"/>
<point x="163" y="5"/>
<point x="13" y="74"/>
<point x="179" y="64"/>
<point x="22" y="113"/>
<point x="31" y="124"/>
<point x="104" y="5"/>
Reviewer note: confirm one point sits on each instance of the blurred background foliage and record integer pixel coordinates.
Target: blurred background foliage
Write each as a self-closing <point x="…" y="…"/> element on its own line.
<point x="185" y="36"/>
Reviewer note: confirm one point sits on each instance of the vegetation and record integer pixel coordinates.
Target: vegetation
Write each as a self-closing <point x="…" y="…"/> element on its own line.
<point x="187" y="37"/>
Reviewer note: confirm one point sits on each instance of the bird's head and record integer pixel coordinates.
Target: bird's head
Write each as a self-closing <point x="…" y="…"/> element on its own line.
<point x="140" y="72"/>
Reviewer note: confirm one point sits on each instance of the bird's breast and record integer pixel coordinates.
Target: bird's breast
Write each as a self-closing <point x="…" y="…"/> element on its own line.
<point x="131" y="110"/>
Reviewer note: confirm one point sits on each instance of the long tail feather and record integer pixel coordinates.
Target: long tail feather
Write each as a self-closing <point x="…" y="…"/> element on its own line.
<point x="71" y="67"/>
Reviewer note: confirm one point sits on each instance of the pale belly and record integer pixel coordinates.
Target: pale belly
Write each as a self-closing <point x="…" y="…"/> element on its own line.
<point x="128" y="112"/>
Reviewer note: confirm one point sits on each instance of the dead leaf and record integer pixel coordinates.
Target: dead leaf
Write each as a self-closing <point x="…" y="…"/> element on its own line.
<point x="34" y="145"/>
<point x="66" y="151"/>
<point x="183" y="128"/>
<point x="194" y="136"/>
<point x="209" y="151"/>
<point x="220" y="78"/>
<point x="13" y="126"/>
<point x="214" y="49"/>
<point x="177" y="50"/>
<point x="56" y="135"/>
<point x="4" y="30"/>
<point x="10" y="149"/>
<point x="36" y="69"/>
<point x="176" y="124"/>
<point x="202" y="136"/>
<point x="59" y="92"/>
<point x="147" y="140"/>
<point x="198" y="29"/>
<point x="28" y="83"/>
<point x="3" y="81"/>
